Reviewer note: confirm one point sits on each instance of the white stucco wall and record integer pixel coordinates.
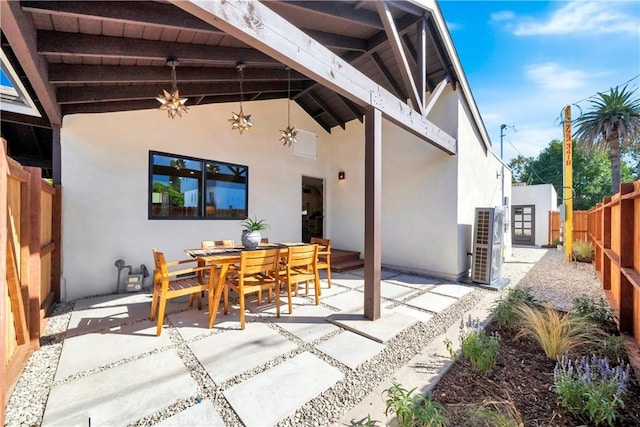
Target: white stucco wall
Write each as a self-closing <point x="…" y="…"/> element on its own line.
<point x="427" y="203"/>
<point x="480" y="182"/>
<point x="545" y="199"/>
<point x="105" y="180"/>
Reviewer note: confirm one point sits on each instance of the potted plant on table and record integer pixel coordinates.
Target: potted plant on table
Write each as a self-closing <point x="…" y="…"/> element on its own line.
<point x="251" y="229"/>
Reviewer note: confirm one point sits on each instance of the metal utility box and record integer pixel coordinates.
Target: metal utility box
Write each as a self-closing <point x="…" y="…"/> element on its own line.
<point x="488" y="245"/>
<point x="133" y="282"/>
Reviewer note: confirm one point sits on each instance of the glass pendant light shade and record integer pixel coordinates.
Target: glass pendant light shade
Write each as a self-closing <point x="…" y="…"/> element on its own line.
<point x="240" y="121"/>
<point x="171" y="101"/>
<point x="288" y="135"/>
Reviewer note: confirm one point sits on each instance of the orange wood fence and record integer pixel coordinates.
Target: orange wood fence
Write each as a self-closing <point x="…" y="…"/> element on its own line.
<point x="29" y="264"/>
<point x="614" y="230"/>
<point x="580" y="221"/>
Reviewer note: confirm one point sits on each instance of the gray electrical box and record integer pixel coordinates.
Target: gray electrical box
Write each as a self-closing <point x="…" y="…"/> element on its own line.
<point x="133" y="283"/>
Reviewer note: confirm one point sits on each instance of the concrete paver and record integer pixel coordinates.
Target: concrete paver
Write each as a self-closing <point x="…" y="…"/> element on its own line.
<point x="267" y="398"/>
<point x="349" y="280"/>
<point x="94" y="349"/>
<point x="382" y="330"/>
<point x="350" y="349"/>
<point x="346" y="301"/>
<point x="308" y="322"/>
<point x="120" y="395"/>
<point x="432" y="302"/>
<point x="419" y="282"/>
<point x="199" y="415"/>
<point x="422" y="316"/>
<point x="390" y="290"/>
<point x="232" y="352"/>
<point x="451" y="290"/>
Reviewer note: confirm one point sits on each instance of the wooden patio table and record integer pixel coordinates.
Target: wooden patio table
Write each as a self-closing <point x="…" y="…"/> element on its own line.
<point x="223" y="257"/>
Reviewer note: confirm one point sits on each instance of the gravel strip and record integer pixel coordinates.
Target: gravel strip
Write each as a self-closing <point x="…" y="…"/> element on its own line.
<point x="544" y="271"/>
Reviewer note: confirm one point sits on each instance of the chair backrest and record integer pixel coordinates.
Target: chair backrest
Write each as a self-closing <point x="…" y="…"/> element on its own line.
<point x="160" y="265"/>
<point x="264" y="240"/>
<point x="322" y="242"/>
<point x="211" y="244"/>
<point x="252" y="262"/>
<point x="303" y="256"/>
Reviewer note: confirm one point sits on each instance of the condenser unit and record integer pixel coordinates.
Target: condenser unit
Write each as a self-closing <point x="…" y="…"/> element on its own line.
<point x="488" y="246"/>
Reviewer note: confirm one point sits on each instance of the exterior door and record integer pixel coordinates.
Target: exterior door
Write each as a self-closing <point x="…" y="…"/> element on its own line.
<point x="523" y="224"/>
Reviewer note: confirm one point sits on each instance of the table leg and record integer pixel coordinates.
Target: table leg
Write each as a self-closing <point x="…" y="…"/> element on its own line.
<point x="214" y="295"/>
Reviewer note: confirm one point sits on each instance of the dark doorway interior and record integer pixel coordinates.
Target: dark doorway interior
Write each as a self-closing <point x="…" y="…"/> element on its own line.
<point x="312" y="208"/>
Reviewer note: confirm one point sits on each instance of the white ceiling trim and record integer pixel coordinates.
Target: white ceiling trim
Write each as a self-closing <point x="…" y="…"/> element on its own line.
<point x="15" y="98"/>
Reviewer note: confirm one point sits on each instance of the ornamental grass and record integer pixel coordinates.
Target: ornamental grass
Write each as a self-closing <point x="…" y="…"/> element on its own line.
<point x="556" y="332"/>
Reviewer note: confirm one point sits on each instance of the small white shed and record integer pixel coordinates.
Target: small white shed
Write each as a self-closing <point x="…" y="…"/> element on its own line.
<point x="530" y="206"/>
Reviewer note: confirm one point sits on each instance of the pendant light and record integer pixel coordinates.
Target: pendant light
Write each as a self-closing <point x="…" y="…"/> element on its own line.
<point x="288" y="135"/>
<point x="171" y="101"/>
<point x="240" y="121"/>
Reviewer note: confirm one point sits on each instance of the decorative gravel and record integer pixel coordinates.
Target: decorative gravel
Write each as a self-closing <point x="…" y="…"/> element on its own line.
<point x="543" y="270"/>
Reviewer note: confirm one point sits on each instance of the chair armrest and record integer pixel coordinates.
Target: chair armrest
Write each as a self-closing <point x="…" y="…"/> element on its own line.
<point x="172" y="273"/>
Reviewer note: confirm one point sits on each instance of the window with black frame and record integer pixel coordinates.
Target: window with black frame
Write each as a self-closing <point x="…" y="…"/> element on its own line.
<point x="190" y="188"/>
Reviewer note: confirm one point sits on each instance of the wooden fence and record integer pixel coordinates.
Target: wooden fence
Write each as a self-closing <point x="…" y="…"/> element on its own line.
<point x="29" y="267"/>
<point x="614" y="230"/>
<point x="580" y="222"/>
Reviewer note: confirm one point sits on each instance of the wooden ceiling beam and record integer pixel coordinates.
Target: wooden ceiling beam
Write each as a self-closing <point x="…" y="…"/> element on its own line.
<point x="126" y="12"/>
<point x="66" y="44"/>
<point x="395" y="42"/>
<point x="90" y="94"/>
<point x="329" y="111"/>
<point x="388" y="76"/>
<point x="258" y="26"/>
<point x="353" y="107"/>
<point x="20" y="31"/>
<point x="110" y="74"/>
<point x="338" y="10"/>
<point x="336" y="41"/>
<point x="440" y="52"/>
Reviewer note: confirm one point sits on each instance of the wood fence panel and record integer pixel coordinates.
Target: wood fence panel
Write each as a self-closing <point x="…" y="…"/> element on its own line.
<point x="614" y="227"/>
<point x="580" y="226"/>
<point x="30" y="238"/>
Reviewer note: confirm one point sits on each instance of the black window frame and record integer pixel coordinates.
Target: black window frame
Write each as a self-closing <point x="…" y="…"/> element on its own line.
<point x="203" y="175"/>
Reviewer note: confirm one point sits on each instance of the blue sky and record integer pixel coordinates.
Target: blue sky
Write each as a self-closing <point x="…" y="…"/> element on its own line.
<point x="526" y="60"/>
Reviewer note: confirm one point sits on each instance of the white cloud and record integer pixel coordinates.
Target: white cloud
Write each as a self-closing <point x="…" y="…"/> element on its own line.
<point x="581" y="17"/>
<point x="505" y="15"/>
<point x="453" y="26"/>
<point x="552" y="76"/>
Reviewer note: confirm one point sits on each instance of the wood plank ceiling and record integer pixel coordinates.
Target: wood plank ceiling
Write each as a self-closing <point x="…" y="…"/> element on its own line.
<point x="104" y="56"/>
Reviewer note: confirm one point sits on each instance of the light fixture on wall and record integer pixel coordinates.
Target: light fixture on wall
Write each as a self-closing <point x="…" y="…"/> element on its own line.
<point x="240" y="121"/>
<point x="288" y="135"/>
<point x="171" y="101"/>
<point x="341" y="175"/>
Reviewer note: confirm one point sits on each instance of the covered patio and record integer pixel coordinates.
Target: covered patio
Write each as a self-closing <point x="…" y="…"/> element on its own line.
<point x="375" y="90"/>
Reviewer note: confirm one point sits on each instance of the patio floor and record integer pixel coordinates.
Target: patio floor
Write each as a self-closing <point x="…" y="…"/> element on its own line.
<point x="113" y="370"/>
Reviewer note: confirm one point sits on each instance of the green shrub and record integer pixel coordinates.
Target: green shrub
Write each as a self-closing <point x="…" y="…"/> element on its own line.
<point x="413" y="410"/>
<point x="479" y="349"/>
<point x="583" y="250"/>
<point x="504" y="310"/>
<point x="595" y="309"/>
<point x="555" y="332"/>
<point x="613" y="348"/>
<point x="498" y="415"/>
<point x="591" y="389"/>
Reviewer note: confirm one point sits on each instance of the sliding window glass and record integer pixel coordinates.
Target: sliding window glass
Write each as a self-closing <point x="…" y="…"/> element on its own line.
<point x="190" y="188"/>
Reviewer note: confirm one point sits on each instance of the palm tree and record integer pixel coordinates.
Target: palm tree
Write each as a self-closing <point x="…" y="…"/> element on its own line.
<point x="613" y="123"/>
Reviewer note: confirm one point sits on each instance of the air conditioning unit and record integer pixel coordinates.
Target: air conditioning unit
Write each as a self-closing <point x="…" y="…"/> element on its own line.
<point x="488" y="247"/>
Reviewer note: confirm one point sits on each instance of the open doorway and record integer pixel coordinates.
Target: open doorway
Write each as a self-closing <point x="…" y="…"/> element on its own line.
<point x="312" y="208"/>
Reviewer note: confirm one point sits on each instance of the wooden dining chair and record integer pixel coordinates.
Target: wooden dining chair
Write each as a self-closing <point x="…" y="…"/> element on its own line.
<point x="212" y="244"/>
<point x="258" y="271"/>
<point x="192" y="282"/>
<point x="301" y="266"/>
<point x="324" y="256"/>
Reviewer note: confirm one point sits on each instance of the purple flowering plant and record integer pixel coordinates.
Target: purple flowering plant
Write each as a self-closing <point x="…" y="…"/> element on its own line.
<point x="591" y="388"/>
